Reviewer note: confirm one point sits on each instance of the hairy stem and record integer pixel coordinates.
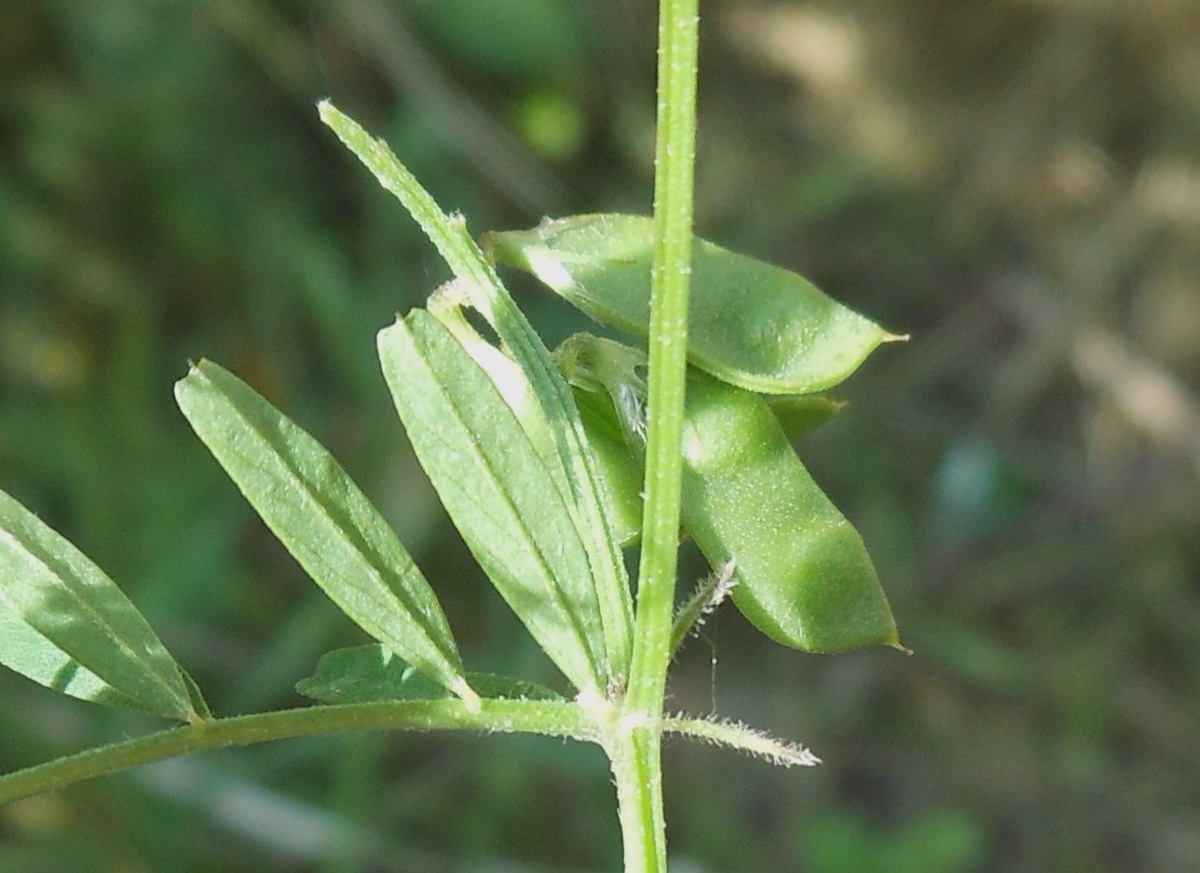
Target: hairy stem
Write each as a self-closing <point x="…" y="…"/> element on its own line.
<point x="560" y="719"/>
<point x="637" y="761"/>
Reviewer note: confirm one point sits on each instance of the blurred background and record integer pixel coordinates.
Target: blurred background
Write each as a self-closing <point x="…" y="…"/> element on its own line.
<point x="1016" y="183"/>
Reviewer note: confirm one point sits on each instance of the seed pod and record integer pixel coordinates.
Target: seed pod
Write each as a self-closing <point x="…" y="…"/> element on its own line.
<point x="750" y="323"/>
<point x="804" y="576"/>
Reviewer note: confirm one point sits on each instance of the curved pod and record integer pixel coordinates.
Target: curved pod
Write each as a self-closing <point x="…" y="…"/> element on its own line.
<point x="804" y="576"/>
<point x="750" y="323"/>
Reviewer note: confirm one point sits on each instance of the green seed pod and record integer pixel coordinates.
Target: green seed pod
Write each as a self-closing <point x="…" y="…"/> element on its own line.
<point x="751" y="324"/>
<point x="803" y="574"/>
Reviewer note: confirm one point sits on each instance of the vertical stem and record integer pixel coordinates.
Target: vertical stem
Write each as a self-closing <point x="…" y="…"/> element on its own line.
<point x="670" y="277"/>
<point x="637" y="772"/>
<point x="635" y="749"/>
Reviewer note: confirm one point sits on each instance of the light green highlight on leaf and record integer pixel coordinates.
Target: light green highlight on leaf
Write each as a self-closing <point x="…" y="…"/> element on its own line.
<point x="66" y="625"/>
<point x="324" y="520"/>
<point x="508" y="377"/>
<point x="497" y="491"/>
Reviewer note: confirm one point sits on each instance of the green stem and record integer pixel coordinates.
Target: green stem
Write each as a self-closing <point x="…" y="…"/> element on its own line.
<point x="636" y="757"/>
<point x="637" y="772"/>
<point x="559" y="719"/>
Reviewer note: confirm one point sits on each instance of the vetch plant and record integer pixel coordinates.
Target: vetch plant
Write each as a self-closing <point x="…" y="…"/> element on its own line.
<point x="549" y="464"/>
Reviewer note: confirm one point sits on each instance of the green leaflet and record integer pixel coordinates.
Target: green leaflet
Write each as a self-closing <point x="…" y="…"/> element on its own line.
<point x="803" y="575"/>
<point x="498" y="491"/>
<point x="750" y="323"/>
<point x="66" y="625"/>
<point x="510" y="380"/>
<point x="607" y="445"/>
<point x="324" y="520"/>
<point x="364" y="674"/>
<point x="481" y="289"/>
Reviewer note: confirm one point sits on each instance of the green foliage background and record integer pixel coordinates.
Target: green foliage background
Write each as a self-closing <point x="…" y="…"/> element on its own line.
<point x="1013" y="182"/>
